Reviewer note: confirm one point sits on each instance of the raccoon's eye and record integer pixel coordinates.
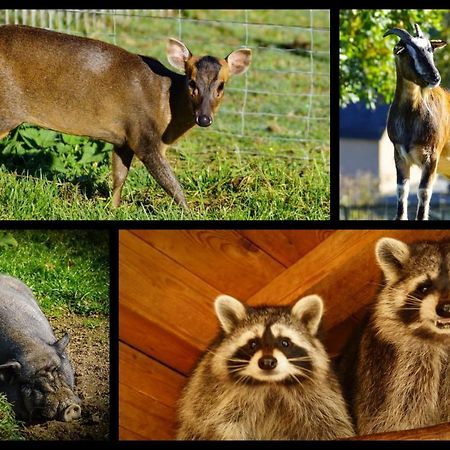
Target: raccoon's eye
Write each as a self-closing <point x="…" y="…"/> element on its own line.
<point x="285" y="343"/>
<point x="424" y="288"/>
<point x="253" y="343"/>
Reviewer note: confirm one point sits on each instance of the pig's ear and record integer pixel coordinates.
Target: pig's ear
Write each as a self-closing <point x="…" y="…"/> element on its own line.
<point x="9" y="370"/>
<point x="61" y="345"/>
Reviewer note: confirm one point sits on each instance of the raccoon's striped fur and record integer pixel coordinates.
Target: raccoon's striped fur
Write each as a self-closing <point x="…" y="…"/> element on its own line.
<point x="267" y="376"/>
<point x="402" y="366"/>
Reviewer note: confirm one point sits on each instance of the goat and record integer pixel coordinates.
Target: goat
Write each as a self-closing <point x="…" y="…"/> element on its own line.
<point x="419" y="119"/>
<point x="90" y="88"/>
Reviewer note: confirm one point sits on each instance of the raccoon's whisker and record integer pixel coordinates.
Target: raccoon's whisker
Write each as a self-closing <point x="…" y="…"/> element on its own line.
<point x="237" y="369"/>
<point x="303" y="375"/>
<point x="238" y="360"/>
<point x="304" y="369"/>
<point x="300" y="358"/>
<point x="412" y="302"/>
<point x="296" y="379"/>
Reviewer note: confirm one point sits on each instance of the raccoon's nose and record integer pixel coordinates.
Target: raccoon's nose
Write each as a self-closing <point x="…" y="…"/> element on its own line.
<point x="267" y="363"/>
<point x="443" y="310"/>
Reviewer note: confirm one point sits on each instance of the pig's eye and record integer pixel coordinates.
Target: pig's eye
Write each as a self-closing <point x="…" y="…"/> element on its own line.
<point x="37" y="396"/>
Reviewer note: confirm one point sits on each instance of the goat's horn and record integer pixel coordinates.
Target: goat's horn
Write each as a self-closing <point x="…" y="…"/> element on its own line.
<point x="402" y="34"/>
<point x="418" y="31"/>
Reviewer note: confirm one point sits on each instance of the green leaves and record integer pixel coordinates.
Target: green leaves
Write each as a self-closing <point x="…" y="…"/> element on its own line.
<point x="45" y="152"/>
<point x="367" y="68"/>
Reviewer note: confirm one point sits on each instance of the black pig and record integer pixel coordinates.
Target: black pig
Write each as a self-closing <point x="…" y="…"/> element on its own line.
<point x="35" y="372"/>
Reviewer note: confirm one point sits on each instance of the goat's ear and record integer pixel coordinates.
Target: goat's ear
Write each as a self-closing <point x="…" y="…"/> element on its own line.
<point x="399" y="49"/>
<point x="437" y="43"/>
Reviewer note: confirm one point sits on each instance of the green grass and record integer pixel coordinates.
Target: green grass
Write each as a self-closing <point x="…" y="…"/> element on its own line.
<point x="10" y="429"/>
<point x="262" y="174"/>
<point x="67" y="270"/>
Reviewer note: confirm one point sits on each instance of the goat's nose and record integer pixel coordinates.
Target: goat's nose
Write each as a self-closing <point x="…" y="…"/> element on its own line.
<point x="203" y="121"/>
<point x="267" y="363"/>
<point x="443" y="310"/>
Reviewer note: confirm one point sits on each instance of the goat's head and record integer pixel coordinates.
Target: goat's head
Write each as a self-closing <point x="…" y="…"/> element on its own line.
<point x="414" y="56"/>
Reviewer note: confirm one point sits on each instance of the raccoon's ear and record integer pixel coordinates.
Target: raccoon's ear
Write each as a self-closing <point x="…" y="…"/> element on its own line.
<point x="229" y="312"/>
<point x="391" y="255"/>
<point x="309" y="310"/>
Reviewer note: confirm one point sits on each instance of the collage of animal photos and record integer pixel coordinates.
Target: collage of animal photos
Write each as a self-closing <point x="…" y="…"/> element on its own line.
<point x="204" y="225"/>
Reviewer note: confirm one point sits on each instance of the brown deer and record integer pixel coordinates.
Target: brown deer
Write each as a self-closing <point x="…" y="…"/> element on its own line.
<point x="90" y="88"/>
<point x="419" y="119"/>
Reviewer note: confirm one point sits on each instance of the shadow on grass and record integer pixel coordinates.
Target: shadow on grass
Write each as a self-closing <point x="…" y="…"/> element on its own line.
<point x="44" y="164"/>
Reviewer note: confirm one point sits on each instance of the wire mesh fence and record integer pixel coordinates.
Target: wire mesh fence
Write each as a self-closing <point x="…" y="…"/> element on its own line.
<point x="439" y="210"/>
<point x="281" y="104"/>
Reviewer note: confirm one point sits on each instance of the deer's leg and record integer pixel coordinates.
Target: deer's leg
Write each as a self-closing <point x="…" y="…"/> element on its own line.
<point x="403" y="174"/>
<point x="121" y="162"/>
<point x="158" y="166"/>
<point x="426" y="188"/>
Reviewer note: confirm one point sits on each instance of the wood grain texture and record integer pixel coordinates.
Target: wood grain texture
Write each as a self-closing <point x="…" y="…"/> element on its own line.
<point x="286" y="246"/>
<point x="148" y="392"/>
<point x="128" y="435"/>
<point x="342" y="269"/>
<point x="437" y="432"/>
<point x="162" y="305"/>
<point x="168" y="280"/>
<point x="221" y="258"/>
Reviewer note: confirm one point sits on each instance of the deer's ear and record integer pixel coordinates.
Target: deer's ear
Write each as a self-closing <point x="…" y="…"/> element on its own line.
<point x="177" y="53"/>
<point x="239" y="61"/>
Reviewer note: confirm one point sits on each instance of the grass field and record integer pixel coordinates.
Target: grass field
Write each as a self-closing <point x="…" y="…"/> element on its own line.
<point x="68" y="272"/>
<point x="273" y="165"/>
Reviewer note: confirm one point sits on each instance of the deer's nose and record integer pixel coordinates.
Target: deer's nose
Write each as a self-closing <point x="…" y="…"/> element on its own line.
<point x="203" y="121"/>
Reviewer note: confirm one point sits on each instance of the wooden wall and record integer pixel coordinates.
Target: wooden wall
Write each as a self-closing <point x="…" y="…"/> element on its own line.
<point x="169" y="279"/>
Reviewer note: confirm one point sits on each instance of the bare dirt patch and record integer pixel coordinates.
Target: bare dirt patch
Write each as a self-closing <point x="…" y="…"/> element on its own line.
<point x="88" y="351"/>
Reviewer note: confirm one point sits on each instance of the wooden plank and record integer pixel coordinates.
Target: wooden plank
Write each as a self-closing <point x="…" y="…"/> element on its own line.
<point x="159" y="342"/>
<point x="435" y="433"/>
<point x="144" y="415"/>
<point x="342" y="269"/>
<point x="286" y="246"/>
<point x="162" y="303"/>
<point x="222" y="258"/>
<point x="128" y="435"/>
<point x="148" y="392"/>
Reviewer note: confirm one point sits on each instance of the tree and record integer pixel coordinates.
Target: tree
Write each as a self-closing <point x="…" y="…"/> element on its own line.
<point x="367" y="68"/>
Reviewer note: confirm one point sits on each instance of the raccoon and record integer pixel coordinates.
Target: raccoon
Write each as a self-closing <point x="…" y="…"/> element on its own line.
<point x="396" y="375"/>
<point x="267" y="376"/>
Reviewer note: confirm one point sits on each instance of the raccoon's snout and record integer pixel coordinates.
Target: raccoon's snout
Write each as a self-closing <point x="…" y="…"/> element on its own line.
<point x="267" y="363"/>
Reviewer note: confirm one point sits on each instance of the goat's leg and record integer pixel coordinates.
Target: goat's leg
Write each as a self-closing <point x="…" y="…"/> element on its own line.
<point x="158" y="166"/>
<point x="121" y="162"/>
<point x="403" y="174"/>
<point x="426" y="189"/>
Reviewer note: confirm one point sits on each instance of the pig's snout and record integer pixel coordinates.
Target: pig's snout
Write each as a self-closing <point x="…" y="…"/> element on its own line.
<point x="72" y="412"/>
